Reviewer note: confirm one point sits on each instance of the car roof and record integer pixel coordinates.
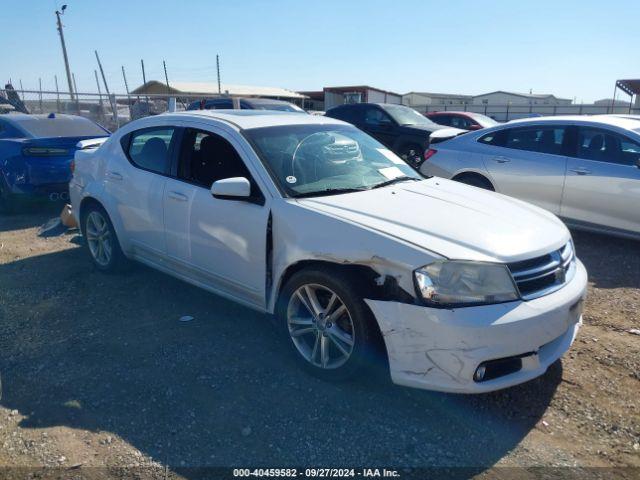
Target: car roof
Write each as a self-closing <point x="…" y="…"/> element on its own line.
<point x="447" y="112"/>
<point x="620" y="122"/>
<point x="247" y="119"/>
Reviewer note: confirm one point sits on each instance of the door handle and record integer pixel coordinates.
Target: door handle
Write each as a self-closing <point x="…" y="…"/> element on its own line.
<point x="178" y="196"/>
<point x="581" y="171"/>
<point x="501" y="159"/>
<point x="114" y="175"/>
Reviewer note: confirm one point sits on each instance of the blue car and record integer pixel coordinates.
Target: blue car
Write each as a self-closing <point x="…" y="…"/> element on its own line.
<point x="36" y="153"/>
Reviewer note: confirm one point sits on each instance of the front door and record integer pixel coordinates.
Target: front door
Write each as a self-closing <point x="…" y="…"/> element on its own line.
<point x="603" y="181"/>
<point x="217" y="242"/>
<point x="529" y="164"/>
<point x="379" y="125"/>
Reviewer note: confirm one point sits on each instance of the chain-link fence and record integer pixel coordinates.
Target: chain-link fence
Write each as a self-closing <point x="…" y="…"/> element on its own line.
<point x="111" y="111"/>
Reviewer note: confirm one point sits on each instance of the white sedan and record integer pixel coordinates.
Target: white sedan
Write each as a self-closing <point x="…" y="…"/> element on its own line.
<point x="360" y="259"/>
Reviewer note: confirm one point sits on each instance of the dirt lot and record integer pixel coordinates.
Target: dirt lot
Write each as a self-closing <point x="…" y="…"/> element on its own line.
<point x="98" y="371"/>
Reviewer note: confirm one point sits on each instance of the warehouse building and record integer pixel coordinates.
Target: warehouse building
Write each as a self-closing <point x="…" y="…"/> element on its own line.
<point x="423" y="101"/>
<point x="500" y="97"/>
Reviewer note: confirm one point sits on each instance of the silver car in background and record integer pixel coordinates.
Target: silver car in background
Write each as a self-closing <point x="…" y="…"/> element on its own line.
<point x="585" y="169"/>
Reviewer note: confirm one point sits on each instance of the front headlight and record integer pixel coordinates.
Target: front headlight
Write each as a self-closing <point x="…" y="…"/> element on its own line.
<point x="451" y="283"/>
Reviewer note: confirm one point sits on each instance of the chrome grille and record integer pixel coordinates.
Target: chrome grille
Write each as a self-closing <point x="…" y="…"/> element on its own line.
<point x="545" y="274"/>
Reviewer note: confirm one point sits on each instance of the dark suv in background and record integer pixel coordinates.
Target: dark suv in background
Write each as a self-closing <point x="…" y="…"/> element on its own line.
<point x="245" y="104"/>
<point x="399" y="128"/>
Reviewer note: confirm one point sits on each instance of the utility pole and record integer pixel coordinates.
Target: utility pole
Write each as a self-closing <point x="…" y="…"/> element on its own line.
<point x="112" y="99"/>
<point x="166" y="78"/>
<point x="57" y="94"/>
<point x="75" y="89"/>
<point x="218" y="68"/>
<point x="144" y="77"/>
<point x="64" y="49"/>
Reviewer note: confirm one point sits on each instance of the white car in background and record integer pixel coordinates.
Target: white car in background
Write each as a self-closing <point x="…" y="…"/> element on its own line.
<point x="585" y="169"/>
<point x="359" y="258"/>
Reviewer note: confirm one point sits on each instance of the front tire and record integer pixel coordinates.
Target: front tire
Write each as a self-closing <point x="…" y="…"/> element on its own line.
<point x="101" y="240"/>
<point x="329" y="328"/>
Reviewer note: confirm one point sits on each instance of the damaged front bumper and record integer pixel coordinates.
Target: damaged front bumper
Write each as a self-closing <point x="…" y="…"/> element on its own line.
<point x="441" y="349"/>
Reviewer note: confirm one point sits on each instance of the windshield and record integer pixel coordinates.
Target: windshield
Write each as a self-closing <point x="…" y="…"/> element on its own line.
<point x="407" y="116"/>
<point x="314" y="160"/>
<point x="484" y="120"/>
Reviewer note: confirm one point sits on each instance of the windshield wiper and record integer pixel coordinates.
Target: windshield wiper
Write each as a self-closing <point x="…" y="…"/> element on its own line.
<point x="394" y="180"/>
<point x="330" y="191"/>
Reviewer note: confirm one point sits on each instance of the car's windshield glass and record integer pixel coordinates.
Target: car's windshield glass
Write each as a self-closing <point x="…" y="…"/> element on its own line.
<point x="483" y="120"/>
<point x="40" y="127"/>
<point x="406" y="116"/>
<point x="310" y="160"/>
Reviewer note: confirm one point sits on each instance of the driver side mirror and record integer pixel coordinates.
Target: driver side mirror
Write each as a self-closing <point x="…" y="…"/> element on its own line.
<point x="236" y="188"/>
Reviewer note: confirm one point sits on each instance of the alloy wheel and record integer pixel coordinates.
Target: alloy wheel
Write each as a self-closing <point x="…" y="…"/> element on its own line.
<point x="320" y="326"/>
<point x="99" y="238"/>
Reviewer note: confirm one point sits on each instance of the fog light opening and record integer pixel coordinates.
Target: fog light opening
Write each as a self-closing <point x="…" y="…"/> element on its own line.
<point x="480" y="371"/>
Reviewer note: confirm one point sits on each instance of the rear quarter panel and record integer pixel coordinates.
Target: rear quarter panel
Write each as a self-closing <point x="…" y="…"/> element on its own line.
<point x="453" y="157"/>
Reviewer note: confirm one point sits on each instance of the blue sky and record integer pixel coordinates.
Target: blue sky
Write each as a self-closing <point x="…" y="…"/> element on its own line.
<point x="566" y="47"/>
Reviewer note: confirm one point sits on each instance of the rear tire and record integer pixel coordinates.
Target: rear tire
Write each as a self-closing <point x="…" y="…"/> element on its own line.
<point x="101" y="240"/>
<point x="475" y="181"/>
<point x="328" y="327"/>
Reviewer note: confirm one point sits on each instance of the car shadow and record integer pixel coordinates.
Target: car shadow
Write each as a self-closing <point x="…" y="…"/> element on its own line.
<point x="611" y="262"/>
<point x="108" y="353"/>
<point x="29" y="216"/>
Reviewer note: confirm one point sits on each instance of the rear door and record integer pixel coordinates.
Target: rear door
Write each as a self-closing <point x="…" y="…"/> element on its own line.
<point x="528" y="163"/>
<point x="603" y="180"/>
<point x="135" y="180"/>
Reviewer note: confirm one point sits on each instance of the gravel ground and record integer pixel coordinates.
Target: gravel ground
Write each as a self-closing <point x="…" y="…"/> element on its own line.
<point x="98" y="371"/>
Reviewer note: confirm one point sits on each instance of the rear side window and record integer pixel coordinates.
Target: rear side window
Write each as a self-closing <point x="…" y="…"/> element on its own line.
<point x="540" y="139"/>
<point x="495" y="138"/>
<point x="149" y="148"/>
<point x="607" y="146"/>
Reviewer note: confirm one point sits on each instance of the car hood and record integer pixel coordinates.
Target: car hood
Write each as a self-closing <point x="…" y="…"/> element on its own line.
<point x="450" y="219"/>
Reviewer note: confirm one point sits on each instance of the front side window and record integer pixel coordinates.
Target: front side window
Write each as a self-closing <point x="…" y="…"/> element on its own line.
<point x="314" y="160"/>
<point x="460" y="122"/>
<point x="149" y="148"/>
<point x="540" y="139"/>
<point x="607" y="146"/>
<point x="375" y="116"/>
<point x="206" y="157"/>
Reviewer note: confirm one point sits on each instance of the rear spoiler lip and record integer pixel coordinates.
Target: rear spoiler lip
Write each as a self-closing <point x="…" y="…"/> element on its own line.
<point x="91" y="143"/>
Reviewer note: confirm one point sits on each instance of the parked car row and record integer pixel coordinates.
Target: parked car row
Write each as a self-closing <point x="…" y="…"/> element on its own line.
<point x="359" y="259"/>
